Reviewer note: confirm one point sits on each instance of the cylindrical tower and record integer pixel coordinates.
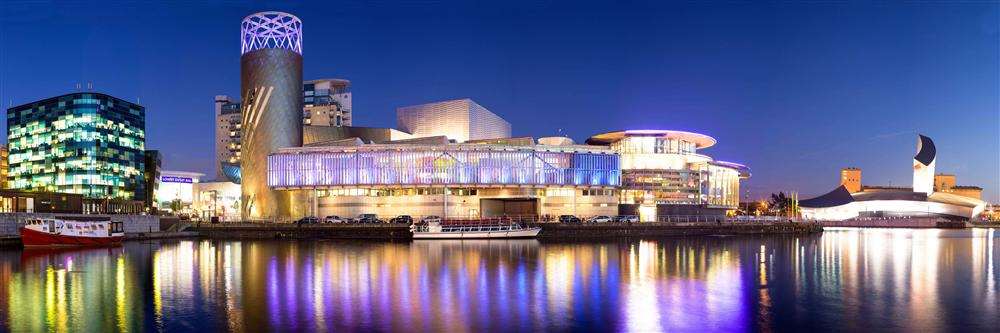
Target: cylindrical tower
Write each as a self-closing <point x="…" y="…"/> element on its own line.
<point x="271" y="91"/>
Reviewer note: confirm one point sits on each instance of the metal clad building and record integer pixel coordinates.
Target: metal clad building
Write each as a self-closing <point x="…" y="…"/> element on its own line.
<point x="460" y="120"/>
<point x="271" y="94"/>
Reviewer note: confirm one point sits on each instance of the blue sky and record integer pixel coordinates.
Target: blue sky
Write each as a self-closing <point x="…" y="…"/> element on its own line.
<point x="794" y="91"/>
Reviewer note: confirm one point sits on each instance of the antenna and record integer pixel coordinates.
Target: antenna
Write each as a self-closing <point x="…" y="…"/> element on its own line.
<point x="90" y="86"/>
<point x="78" y="86"/>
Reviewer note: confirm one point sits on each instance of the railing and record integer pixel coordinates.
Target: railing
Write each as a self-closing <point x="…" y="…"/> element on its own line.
<point x="524" y="219"/>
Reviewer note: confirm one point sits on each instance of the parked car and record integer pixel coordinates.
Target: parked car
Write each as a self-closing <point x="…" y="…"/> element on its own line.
<point x="368" y="218"/>
<point x="627" y="218"/>
<point x="308" y="220"/>
<point x="568" y="219"/>
<point x="405" y="219"/>
<point x="335" y="219"/>
<point x="599" y="219"/>
<point x="431" y="218"/>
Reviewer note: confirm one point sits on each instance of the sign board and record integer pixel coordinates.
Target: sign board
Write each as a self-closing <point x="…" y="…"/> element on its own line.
<point x="172" y="179"/>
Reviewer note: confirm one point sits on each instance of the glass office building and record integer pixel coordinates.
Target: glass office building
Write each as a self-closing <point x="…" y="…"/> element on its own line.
<point x="85" y="143"/>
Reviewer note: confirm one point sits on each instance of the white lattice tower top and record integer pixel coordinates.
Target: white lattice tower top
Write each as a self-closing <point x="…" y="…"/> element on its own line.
<point x="271" y="30"/>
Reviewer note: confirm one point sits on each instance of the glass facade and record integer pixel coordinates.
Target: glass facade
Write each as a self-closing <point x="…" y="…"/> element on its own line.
<point x="395" y="165"/>
<point x="664" y="167"/>
<point x="85" y="143"/>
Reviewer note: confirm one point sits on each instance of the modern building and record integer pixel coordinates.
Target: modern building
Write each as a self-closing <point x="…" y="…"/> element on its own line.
<point x="14" y="201"/>
<point x="664" y="174"/>
<point x="327" y="102"/>
<point x="271" y="96"/>
<point x="931" y="196"/>
<point x="85" y="143"/>
<point x="453" y="180"/>
<point x="219" y="200"/>
<point x="228" y="123"/>
<point x="176" y="190"/>
<point x="151" y="176"/>
<point x="460" y="120"/>
<point x="3" y="166"/>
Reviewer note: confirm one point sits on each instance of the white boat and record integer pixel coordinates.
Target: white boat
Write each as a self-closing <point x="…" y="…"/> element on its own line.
<point x="434" y="230"/>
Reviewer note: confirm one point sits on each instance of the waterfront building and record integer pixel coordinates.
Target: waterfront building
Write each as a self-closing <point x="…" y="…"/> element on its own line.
<point x="217" y="199"/>
<point x="151" y="176"/>
<point x="431" y="176"/>
<point x="176" y="190"/>
<point x="3" y="166"/>
<point x="931" y="196"/>
<point x="460" y="120"/>
<point x="664" y="174"/>
<point x="272" y="108"/>
<point x="327" y="102"/>
<point x="85" y="143"/>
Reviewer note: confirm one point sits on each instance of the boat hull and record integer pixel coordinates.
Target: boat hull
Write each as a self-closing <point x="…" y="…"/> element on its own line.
<point x="34" y="238"/>
<point x="525" y="233"/>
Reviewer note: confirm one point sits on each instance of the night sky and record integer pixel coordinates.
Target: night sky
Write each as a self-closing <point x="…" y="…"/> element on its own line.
<point x="793" y="91"/>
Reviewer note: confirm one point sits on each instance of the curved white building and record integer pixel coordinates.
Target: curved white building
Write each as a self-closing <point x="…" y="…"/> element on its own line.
<point x="922" y="201"/>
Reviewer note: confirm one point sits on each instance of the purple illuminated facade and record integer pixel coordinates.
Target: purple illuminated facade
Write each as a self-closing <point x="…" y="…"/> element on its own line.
<point x="448" y="165"/>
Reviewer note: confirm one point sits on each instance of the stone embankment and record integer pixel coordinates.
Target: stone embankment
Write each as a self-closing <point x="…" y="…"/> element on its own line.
<point x="549" y="230"/>
<point x="293" y="231"/>
<point x="612" y="230"/>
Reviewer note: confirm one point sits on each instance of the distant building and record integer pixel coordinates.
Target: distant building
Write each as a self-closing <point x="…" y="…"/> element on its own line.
<point x="850" y="178"/>
<point x="85" y="143"/>
<point x="933" y="196"/>
<point x="3" y="166"/>
<point x="151" y="176"/>
<point x="227" y="133"/>
<point x="460" y="120"/>
<point x="176" y="186"/>
<point x="327" y="102"/>
<point x="219" y="199"/>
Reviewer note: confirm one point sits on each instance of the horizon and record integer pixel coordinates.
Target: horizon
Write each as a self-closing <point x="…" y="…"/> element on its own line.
<point x="793" y="93"/>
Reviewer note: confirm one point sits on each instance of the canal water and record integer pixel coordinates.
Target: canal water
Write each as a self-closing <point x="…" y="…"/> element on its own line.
<point x="846" y="279"/>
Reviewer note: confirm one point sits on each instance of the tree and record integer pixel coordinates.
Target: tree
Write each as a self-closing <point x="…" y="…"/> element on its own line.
<point x="782" y="204"/>
<point x="176" y="205"/>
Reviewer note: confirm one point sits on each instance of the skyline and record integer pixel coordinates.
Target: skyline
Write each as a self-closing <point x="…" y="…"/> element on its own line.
<point x="784" y="93"/>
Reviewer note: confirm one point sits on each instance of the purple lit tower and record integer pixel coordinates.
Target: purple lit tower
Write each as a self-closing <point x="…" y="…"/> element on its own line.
<point x="271" y="91"/>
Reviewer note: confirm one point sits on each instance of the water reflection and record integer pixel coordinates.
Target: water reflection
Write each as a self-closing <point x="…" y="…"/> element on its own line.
<point x="851" y="278"/>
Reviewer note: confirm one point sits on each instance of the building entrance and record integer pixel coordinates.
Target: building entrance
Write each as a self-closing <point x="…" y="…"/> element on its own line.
<point x="512" y="207"/>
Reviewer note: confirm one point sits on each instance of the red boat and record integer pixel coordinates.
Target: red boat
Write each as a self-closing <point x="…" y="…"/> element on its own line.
<point x="64" y="233"/>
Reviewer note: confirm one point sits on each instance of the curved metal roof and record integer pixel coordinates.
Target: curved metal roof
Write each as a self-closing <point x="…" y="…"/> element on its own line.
<point x="700" y="140"/>
<point x="837" y="197"/>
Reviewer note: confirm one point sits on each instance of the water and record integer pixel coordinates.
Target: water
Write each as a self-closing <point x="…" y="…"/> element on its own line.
<point x="849" y="279"/>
